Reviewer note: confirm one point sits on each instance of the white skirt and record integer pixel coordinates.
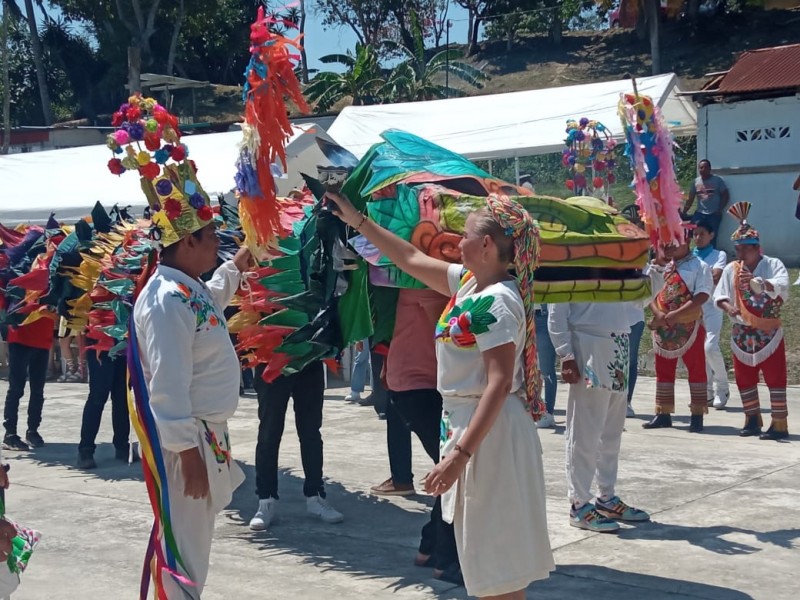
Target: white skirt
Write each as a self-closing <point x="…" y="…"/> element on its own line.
<point x="497" y="506"/>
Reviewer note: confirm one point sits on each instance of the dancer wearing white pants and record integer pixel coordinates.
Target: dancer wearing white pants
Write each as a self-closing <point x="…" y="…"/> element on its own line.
<point x="717" y="374"/>
<point x="592" y="340"/>
<point x="191" y="372"/>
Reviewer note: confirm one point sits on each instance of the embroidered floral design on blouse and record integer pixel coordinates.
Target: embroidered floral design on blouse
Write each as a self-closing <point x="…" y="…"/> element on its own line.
<point x="222" y="456"/>
<point x="203" y="310"/>
<point x="460" y="323"/>
<point x="445" y="429"/>
<point x="618" y="369"/>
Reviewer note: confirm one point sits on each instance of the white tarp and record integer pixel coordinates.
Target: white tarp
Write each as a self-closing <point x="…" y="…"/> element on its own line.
<point x="70" y="181"/>
<point x="513" y="124"/>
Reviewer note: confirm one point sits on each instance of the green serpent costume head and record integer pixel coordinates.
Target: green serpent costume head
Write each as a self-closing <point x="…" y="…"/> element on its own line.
<point x="423" y="193"/>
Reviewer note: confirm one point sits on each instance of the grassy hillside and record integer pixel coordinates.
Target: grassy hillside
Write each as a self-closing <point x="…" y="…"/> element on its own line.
<point x="691" y="52"/>
<point x="534" y="62"/>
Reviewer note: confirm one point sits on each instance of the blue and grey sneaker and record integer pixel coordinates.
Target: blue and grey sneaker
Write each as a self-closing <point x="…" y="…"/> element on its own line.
<point x="616" y="509"/>
<point x="587" y="517"/>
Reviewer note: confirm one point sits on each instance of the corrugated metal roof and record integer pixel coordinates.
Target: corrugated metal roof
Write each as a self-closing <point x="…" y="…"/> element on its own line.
<point x="763" y="70"/>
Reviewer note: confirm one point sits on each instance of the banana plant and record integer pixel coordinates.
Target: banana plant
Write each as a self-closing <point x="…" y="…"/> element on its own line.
<point x="360" y="81"/>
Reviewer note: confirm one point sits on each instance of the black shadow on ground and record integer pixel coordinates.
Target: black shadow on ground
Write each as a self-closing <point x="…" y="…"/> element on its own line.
<point x="603" y="583"/>
<point x="59" y="454"/>
<point x="378" y="538"/>
<point x="712" y="538"/>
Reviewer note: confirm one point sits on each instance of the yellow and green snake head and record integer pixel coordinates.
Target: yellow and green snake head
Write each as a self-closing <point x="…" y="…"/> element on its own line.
<point x="424" y="193"/>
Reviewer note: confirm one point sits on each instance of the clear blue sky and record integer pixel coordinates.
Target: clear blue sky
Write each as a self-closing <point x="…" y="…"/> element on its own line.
<point x="320" y="42"/>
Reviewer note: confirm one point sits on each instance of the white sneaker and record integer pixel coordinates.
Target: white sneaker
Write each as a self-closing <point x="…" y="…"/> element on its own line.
<point x="267" y="508"/>
<point x="721" y="400"/>
<point x="317" y="506"/>
<point x="630" y="412"/>
<point x="353" y="397"/>
<point x="548" y="421"/>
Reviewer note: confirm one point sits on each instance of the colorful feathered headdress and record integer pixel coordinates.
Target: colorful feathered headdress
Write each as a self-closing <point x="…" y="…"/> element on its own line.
<point x="649" y="147"/>
<point x="148" y="139"/>
<point x="745" y="233"/>
<point x="269" y="81"/>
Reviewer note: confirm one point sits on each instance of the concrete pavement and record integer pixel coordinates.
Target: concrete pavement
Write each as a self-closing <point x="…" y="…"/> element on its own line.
<point x="726" y="522"/>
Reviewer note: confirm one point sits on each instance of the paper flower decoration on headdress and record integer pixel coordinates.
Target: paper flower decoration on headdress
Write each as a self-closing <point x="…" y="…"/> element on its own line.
<point x="269" y="81"/>
<point x="649" y="148"/>
<point x="147" y="140"/>
<point x="589" y="157"/>
<point x="745" y="233"/>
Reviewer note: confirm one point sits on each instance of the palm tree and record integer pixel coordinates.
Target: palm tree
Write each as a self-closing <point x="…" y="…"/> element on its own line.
<point x="82" y="65"/>
<point x="38" y="52"/>
<point x="6" y="85"/>
<point x="301" y="25"/>
<point x="417" y="78"/>
<point x="360" y="81"/>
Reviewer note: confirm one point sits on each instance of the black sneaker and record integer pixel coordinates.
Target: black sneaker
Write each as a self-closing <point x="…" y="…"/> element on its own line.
<point x="86" y="460"/>
<point x="34" y="439"/>
<point x="658" y="422"/>
<point x="367" y="401"/>
<point x="14" y="442"/>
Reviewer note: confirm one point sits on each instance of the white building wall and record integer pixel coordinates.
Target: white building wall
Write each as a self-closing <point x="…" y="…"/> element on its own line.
<point x="755" y="146"/>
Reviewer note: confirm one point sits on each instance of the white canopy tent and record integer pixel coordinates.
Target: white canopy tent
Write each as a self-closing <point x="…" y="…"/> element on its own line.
<point x="70" y="181"/>
<point x="510" y="125"/>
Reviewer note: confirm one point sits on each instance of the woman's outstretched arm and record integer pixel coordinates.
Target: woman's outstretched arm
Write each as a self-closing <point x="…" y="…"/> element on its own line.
<point x="430" y="271"/>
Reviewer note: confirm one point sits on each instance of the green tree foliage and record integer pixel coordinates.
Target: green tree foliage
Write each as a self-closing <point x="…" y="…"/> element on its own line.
<point x="85" y="70"/>
<point x="360" y="81"/>
<point x="200" y="39"/>
<point x="373" y="21"/>
<point x="23" y="88"/>
<point x="508" y="18"/>
<point x="420" y="77"/>
<point x="151" y="24"/>
<point x="214" y="42"/>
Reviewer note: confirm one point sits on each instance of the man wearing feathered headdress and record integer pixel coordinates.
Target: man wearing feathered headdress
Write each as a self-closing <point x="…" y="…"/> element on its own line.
<point x="752" y="290"/>
<point x="678" y="331"/>
<point x="184" y="369"/>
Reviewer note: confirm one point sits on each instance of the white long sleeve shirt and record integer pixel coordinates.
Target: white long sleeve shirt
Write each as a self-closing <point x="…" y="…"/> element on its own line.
<point x="715" y="259"/>
<point x="768" y="269"/>
<point x="695" y="274"/>
<point x="593" y="318"/>
<point x="188" y="360"/>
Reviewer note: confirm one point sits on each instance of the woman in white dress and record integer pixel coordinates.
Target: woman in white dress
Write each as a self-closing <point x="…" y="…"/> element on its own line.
<point x="490" y="476"/>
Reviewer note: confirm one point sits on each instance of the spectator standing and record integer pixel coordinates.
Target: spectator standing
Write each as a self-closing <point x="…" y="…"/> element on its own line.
<point x="28" y="358"/>
<point x="712" y="197"/>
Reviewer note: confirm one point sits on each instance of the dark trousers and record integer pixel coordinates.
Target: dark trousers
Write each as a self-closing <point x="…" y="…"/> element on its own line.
<point x="307" y="389"/>
<point x="422" y="412"/>
<point x="380" y="395"/>
<point x="107" y="376"/>
<point x="25" y="364"/>
<point x="398" y="445"/>
<point x="633" y="374"/>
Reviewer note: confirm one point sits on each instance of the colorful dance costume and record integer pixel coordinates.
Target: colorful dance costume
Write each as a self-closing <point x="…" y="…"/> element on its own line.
<point x="757" y="341"/>
<point x="684" y="279"/>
